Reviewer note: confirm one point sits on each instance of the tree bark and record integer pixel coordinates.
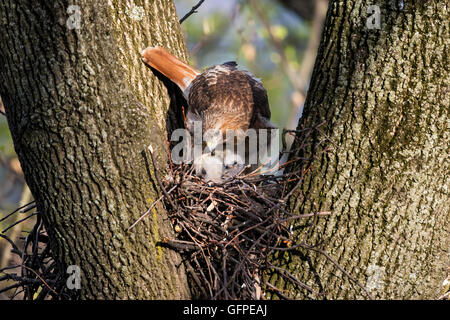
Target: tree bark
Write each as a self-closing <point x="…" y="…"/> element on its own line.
<point x="82" y="109"/>
<point x="383" y="96"/>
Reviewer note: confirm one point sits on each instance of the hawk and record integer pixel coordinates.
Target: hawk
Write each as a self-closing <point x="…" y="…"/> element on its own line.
<point x="222" y="98"/>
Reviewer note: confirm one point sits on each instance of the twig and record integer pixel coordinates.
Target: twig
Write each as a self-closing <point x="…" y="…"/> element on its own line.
<point x="279" y="292"/>
<point x="43" y="281"/>
<point x="19" y="221"/>
<point x="13" y="245"/>
<point x="39" y="275"/>
<point x="291" y="277"/>
<point x="155" y="170"/>
<point x="340" y="268"/>
<point x="16" y="210"/>
<point x="151" y="207"/>
<point x="193" y="10"/>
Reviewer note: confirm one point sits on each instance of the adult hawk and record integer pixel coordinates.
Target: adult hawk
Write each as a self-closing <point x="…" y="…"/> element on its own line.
<point x="222" y="98"/>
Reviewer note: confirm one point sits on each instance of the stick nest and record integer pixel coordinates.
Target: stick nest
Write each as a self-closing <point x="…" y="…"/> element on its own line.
<point x="227" y="232"/>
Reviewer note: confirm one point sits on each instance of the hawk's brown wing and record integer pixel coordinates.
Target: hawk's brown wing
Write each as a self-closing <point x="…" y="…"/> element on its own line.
<point x="261" y="111"/>
<point x="224" y="97"/>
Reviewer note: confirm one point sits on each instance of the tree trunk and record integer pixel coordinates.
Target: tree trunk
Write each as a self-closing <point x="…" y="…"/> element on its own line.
<point x="383" y="96"/>
<point x="82" y="109"/>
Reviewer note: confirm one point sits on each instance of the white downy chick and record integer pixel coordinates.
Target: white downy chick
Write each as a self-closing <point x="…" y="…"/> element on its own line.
<point x="209" y="166"/>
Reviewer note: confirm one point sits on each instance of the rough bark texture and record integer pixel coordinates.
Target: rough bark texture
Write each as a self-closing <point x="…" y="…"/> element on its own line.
<point x="82" y="109"/>
<point x="384" y="97"/>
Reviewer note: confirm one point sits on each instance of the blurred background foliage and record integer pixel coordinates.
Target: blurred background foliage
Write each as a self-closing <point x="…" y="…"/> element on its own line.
<point x="274" y="39"/>
<point x="11" y="177"/>
<point x="232" y="30"/>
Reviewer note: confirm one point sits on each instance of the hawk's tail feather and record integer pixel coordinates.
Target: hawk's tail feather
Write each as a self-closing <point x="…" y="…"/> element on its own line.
<point x="170" y="66"/>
